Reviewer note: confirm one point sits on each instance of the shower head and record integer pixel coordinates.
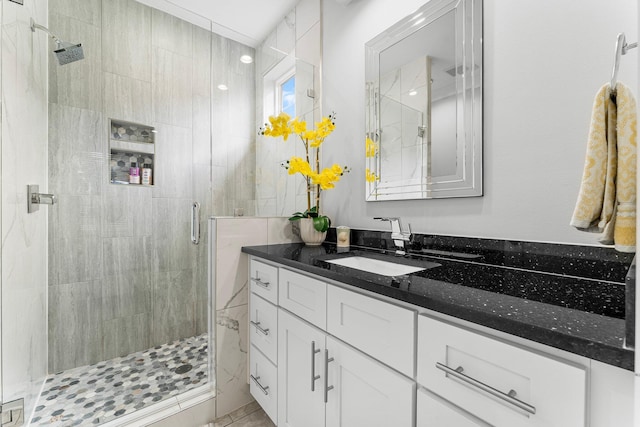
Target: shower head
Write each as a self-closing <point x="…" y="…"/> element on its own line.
<point x="65" y="52"/>
<point x="68" y="52"/>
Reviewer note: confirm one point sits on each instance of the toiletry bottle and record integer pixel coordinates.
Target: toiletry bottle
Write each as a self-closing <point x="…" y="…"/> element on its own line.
<point x="134" y="173"/>
<point x="147" y="174"/>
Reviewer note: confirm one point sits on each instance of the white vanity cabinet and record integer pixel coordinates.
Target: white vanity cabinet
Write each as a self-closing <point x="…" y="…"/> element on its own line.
<point x="324" y="382"/>
<point x="343" y="358"/>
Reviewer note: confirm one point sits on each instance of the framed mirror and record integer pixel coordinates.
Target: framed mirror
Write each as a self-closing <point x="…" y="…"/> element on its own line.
<point x="424" y="104"/>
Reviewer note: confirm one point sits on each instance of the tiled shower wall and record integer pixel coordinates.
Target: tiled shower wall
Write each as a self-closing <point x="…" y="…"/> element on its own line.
<point x="124" y="275"/>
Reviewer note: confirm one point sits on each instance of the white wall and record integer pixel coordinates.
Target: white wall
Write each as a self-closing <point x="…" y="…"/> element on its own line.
<point x="543" y="63"/>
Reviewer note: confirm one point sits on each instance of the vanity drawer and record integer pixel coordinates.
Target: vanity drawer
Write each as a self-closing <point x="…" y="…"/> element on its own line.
<point x="264" y="327"/>
<point x="382" y="330"/>
<point x="263" y="383"/>
<point x="264" y="280"/>
<point x="303" y="296"/>
<point x="500" y="383"/>
<point x="434" y="411"/>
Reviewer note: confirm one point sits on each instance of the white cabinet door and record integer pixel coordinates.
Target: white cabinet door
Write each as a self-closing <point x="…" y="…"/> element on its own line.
<point x="301" y="349"/>
<point x="303" y="296"/>
<point x="434" y="411"/>
<point x="364" y="392"/>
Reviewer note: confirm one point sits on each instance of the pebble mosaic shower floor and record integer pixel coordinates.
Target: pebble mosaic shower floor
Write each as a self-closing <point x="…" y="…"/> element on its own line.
<point x="93" y="395"/>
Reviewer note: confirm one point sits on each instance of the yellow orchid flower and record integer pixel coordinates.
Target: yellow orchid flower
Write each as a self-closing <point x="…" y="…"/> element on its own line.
<point x="370" y="176"/>
<point x="371" y="148"/>
<point x="298" y="127"/>
<point x="299" y="165"/>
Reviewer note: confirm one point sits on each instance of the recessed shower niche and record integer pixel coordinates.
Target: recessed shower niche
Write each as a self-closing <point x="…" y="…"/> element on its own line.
<point x="132" y="153"/>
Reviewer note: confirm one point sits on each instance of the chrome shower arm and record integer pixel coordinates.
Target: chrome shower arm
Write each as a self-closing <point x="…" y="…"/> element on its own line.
<point x="35" y="26"/>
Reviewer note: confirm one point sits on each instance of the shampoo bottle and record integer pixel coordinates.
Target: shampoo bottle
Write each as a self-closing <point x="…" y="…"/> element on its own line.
<point x="134" y="173"/>
<point x="147" y="173"/>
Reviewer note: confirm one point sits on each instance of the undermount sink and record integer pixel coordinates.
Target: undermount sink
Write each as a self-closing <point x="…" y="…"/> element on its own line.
<point x="377" y="266"/>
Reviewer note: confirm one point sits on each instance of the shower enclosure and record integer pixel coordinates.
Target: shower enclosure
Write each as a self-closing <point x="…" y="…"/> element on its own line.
<point x="110" y="274"/>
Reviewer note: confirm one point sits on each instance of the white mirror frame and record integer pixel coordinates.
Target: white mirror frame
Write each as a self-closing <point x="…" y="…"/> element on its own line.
<point x="467" y="181"/>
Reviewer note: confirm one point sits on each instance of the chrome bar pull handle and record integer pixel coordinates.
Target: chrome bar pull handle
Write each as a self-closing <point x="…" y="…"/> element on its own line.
<point x="260" y="328"/>
<point x="327" y="387"/>
<point x="314" y="377"/>
<point x="195" y="223"/>
<point x="259" y="282"/>
<point x="507" y="397"/>
<point x="35" y="198"/>
<point x="262" y="388"/>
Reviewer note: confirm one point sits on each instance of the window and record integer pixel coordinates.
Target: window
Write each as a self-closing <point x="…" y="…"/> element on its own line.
<point x="287" y="92"/>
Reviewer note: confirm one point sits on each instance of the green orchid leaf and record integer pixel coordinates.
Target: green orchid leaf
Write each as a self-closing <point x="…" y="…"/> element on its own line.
<point x="321" y="223"/>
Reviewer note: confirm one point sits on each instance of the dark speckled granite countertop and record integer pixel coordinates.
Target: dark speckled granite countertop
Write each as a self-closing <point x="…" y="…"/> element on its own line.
<point x="581" y="312"/>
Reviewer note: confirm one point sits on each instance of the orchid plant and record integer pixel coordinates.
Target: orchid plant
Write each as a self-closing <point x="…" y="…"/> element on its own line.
<point x="317" y="179"/>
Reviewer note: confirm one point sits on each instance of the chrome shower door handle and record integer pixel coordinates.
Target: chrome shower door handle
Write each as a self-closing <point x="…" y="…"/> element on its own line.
<point x="35" y="198"/>
<point x="195" y="223"/>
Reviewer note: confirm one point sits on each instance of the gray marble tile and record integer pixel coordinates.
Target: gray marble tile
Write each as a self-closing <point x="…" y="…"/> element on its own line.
<point x="76" y="151"/>
<point x="77" y="248"/>
<point x="235" y="66"/>
<point x="171" y="33"/>
<point x="172" y="235"/>
<point x="128" y="294"/>
<point x="126" y="335"/>
<point x="89" y="11"/>
<point x="202" y="129"/>
<point x="126" y="39"/>
<point x="173" y="306"/>
<point x="174" y="162"/>
<point x="128" y="99"/>
<point x="126" y="254"/>
<point x="127" y="211"/>
<point x="241" y="162"/>
<point x="220" y="191"/>
<point x="202" y="51"/>
<point x="171" y="91"/>
<point x="75" y="325"/>
<point x="220" y="127"/>
<point x="78" y="84"/>
<point x="220" y="66"/>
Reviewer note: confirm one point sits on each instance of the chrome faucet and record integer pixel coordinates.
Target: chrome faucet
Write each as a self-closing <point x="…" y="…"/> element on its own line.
<point x="398" y="236"/>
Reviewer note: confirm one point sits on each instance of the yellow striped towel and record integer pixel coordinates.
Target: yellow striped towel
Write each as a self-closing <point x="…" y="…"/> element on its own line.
<point x="607" y="200"/>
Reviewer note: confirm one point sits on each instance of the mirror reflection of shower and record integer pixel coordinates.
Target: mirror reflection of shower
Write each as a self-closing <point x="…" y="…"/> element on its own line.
<point x="65" y="52"/>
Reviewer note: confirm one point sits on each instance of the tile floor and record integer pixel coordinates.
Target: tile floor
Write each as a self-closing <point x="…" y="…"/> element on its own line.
<point x="250" y="415"/>
<point x="93" y="395"/>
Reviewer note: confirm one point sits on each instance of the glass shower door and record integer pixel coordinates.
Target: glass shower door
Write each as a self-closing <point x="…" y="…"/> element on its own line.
<point x="23" y="136"/>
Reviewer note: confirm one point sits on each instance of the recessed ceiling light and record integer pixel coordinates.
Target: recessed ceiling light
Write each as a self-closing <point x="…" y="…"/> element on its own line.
<point x="222" y="87"/>
<point x="413" y="93"/>
<point x="246" y="59"/>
